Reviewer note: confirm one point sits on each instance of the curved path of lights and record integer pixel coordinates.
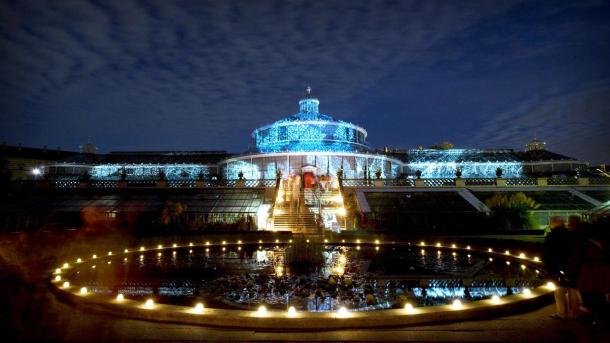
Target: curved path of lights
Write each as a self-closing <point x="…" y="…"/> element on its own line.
<point x="120" y="305"/>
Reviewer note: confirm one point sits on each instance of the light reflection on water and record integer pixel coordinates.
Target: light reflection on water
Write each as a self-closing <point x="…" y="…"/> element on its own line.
<point x="360" y="279"/>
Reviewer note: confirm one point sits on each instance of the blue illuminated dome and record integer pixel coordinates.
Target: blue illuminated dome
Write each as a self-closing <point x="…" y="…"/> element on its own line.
<point x="310" y="131"/>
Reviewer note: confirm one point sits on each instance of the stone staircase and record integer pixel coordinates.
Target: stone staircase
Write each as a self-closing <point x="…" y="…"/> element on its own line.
<point x="290" y="212"/>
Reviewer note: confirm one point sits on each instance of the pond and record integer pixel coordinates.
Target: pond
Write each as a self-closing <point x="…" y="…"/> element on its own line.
<point x="367" y="277"/>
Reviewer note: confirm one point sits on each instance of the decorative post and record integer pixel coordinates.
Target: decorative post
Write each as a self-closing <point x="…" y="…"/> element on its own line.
<point x="418" y="181"/>
<point x="161" y="182"/>
<point x="459" y="182"/>
<point x="241" y="182"/>
<point x="200" y="183"/>
<point x="123" y="178"/>
<point x="500" y="182"/>
<point x="378" y="181"/>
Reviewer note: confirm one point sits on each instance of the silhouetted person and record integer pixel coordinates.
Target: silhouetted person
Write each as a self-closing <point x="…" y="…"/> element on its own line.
<point x="556" y="246"/>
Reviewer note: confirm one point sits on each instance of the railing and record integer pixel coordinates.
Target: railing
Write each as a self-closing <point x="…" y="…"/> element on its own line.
<point x="522" y="181"/>
<point x="562" y="181"/>
<point x="349" y="183"/>
<point x="439" y="182"/>
<point x="480" y="182"/>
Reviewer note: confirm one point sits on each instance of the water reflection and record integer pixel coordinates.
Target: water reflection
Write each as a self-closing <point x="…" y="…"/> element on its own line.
<point x="359" y="278"/>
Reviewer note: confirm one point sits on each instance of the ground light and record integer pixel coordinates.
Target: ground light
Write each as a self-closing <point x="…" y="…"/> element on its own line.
<point x="261" y="311"/>
<point x="149" y="304"/>
<point x="342" y="311"/>
<point x="409" y="308"/>
<point x="527" y="292"/>
<point x="58" y="278"/>
<point x="495" y="299"/>
<point x="198" y="308"/>
<point x="66" y="284"/>
<point x="551" y="286"/>
<point x="78" y="260"/>
<point x="120" y="297"/>
<point x="58" y="271"/>
<point x="292" y="311"/>
<point x="83" y="290"/>
<point x="456" y="304"/>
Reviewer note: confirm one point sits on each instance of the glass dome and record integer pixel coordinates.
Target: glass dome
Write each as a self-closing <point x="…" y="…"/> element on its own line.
<point x="310" y="131"/>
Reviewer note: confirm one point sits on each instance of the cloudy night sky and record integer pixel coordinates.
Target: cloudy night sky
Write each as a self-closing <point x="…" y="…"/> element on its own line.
<point x="200" y="75"/>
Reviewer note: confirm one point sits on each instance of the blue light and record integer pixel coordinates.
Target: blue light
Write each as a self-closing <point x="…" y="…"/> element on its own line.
<point x="309" y="130"/>
<point x="151" y="171"/>
<point x="474" y="163"/>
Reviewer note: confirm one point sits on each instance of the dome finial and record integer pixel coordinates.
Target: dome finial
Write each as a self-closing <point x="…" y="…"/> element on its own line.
<point x="308" y="90"/>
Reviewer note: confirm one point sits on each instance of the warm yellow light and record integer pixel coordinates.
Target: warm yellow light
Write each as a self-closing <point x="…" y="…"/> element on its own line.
<point x="438" y="252"/>
<point x="468" y="255"/>
<point x="292" y="311"/>
<point x="78" y="260"/>
<point x="523" y="267"/>
<point x="454" y="253"/>
<point x="489" y="250"/>
<point x="453" y="246"/>
<point x="507" y="252"/>
<point x="238" y="248"/>
<point x="159" y="254"/>
<point x="277" y="211"/>
<point x="358" y="241"/>
<point x="342" y="311"/>
<point x="358" y="248"/>
<point x="376" y="241"/>
<point x="325" y="240"/>
<point x="159" y="246"/>
<point x="422" y="243"/>
<point x="66" y="284"/>
<point x="120" y="297"/>
<point x="290" y="241"/>
<point x="110" y="253"/>
<point x="423" y="252"/>
<point x="224" y="249"/>
<point x="174" y="245"/>
<point x="126" y="250"/>
<point x="141" y="257"/>
<point x="174" y="252"/>
<point x="409" y="308"/>
<point x="83" y="290"/>
<point x="456" y="304"/>
<point x="260" y="241"/>
<point x="93" y="266"/>
<point x="468" y="247"/>
<point x="495" y="299"/>
<point x="58" y="271"/>
<point x="551" y="286"/>
<point x="207" y="249"/>
<point x="341" y="211"/>
<point x="377" y="248"/>
<point x="198" y="308"/>
<point x="190" y="251"/>
<point x="438" y="244"/>
<point x="207" y="243"/>
<point x="149" y="304"/>
<point x="58" y="278"/>
<point x="277" y="241"/>
<point x="224" y="242"/>
<point x="340" y="270"/>
<point x="239" y="242"/>
<point x="522" y="255"/>
<point x="527" y="292"/>
<point x="342" y="259"/>
<point x="536" y="259"/>
<point x="109" y="262"/>
<point x="508" y="263"/>
<point x="66" y="265"/>
<point x="141" y="248"/>
<point x="307" y="241"/>
<point x="262" y="310"/>
<point x="125" y="259"/>
<point x="190" y="244"/>
<point x="491" y="259"/>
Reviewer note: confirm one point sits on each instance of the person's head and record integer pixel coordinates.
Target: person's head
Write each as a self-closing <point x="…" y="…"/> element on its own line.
<point x="574" y="222"/>
<point x="556" y="222"/>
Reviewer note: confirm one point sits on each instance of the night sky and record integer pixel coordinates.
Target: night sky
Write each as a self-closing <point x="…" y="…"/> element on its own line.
<point x="195" y="75"/>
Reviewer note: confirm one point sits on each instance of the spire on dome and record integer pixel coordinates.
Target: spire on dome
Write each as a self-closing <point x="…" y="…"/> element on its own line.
<point x="308" y="106"/>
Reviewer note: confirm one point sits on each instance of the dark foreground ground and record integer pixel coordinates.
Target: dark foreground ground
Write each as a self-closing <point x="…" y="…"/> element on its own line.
<point x="29" y="312"/>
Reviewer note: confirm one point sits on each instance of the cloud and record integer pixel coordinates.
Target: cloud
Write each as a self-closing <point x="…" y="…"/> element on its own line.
<point x="211" y="70"/>
<point x="571" y="121"/>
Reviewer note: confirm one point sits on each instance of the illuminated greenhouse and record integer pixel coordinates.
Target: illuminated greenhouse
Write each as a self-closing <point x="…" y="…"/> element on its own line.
<point x="324" y="145"/>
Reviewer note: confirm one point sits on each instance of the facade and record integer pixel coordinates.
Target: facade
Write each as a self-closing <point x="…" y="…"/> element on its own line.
<point x="316" y="140"/>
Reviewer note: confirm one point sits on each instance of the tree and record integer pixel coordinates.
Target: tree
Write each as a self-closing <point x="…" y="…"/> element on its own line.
<point x="445" y="145"/>
<point x="499" y="172"/>
<point x="512" y="211"/>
